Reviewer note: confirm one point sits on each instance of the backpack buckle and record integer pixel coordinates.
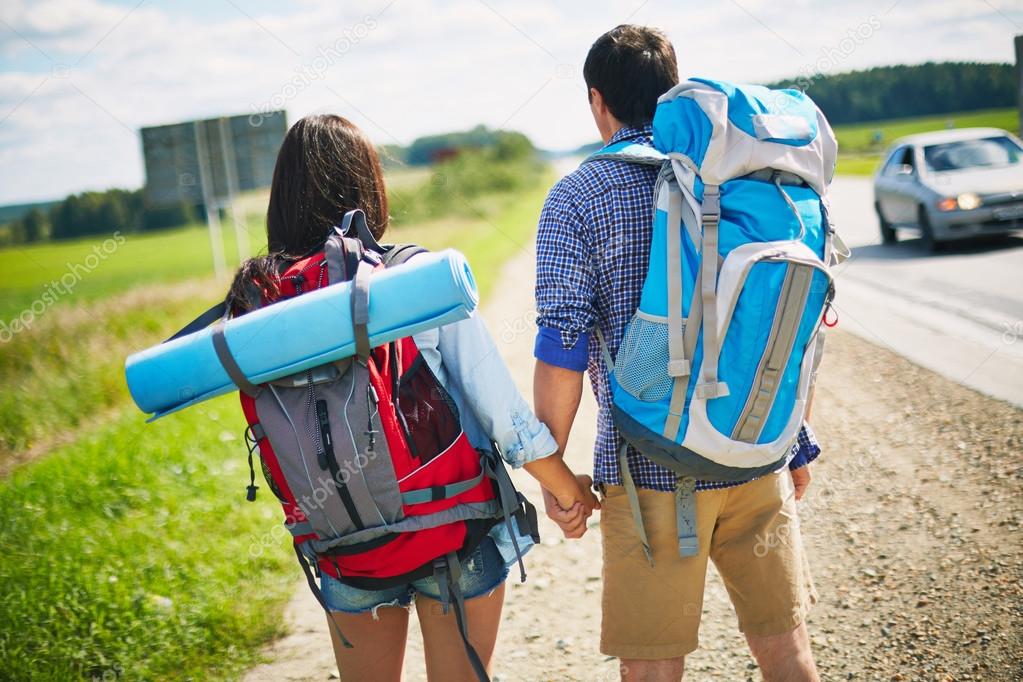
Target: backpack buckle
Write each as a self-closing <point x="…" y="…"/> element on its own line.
<point x="711" y="204"/>
<point x="707" y="391"/>
<point x="678" y="368"/>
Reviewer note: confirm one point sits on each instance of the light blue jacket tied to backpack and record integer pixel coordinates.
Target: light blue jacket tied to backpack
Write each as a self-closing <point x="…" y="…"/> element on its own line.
<point x="715" y="369"/>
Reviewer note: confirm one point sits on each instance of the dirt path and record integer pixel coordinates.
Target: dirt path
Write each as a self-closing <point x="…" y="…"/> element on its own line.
<point x="912" y="525"/>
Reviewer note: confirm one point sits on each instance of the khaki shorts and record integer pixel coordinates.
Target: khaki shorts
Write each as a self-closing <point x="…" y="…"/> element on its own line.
<point x="751" y="532"/>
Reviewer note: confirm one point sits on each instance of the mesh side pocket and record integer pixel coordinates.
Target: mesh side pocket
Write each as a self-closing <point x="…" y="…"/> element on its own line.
<point x="429" y="413"/>
<point x="641" y="367"/>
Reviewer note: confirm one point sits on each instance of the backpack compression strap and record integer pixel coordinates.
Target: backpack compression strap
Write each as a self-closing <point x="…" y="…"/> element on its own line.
<point x="447" y="572"/>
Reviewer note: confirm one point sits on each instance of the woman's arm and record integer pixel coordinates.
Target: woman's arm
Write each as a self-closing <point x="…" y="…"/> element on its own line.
<point x="473" y="363"/>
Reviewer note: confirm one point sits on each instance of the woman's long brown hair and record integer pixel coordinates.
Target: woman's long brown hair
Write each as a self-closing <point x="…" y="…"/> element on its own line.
<point x="325" y="168"/>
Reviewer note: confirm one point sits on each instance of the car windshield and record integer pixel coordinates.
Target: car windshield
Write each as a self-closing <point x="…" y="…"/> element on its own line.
<point x="988" y="152"/>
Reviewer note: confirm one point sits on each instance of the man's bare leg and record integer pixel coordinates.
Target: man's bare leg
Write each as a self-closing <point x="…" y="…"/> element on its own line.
<point x="786" y="657"/>
<point x="639" y="670"/>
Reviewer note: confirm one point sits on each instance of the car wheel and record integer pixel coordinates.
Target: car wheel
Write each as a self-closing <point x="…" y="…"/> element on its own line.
<point x="888" y="234"/>
<point x="927" y="231"/>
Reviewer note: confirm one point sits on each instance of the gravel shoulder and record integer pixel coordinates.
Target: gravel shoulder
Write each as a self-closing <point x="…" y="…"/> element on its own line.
<point x="912" y="525"/>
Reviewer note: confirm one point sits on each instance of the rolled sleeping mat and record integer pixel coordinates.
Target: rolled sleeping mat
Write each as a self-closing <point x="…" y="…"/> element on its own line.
<point x="313" y="329"/>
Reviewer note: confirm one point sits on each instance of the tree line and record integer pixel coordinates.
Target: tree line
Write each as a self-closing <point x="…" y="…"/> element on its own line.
<point x="90" y="213"/>
<point x="431" y="149"/>
<point x="903" y="91"/>
<point x="507" y="163"/>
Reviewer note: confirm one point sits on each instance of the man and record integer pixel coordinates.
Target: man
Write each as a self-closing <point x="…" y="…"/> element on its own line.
<point x="592" y="249"/>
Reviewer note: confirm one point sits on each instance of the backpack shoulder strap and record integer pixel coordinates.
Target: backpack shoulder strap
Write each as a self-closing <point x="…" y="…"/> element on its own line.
<point x="214" y="313"/>
<point x="631" y="152"/>
<point x="218" y="314"/>
<point x="342" y="255"/>
<point x="396" y="254"/>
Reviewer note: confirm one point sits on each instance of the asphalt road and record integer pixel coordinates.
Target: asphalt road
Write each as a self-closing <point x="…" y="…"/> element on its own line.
<point x="958" y="312"/>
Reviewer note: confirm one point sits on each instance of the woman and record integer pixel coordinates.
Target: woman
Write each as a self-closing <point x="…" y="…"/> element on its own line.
<point x="325" y="168"/>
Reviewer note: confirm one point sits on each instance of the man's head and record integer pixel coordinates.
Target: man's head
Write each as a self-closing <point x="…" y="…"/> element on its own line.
<point x="626" y="70"/>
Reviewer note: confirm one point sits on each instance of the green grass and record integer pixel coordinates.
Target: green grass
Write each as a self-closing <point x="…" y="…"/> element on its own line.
<point x="860" y="152"/>
<point x="119" y="516"/>
<point x="132" y="554"/>
<point x="68" y="370"/>
<point x="117" y="265"/>
<point x="94" y="268"/>
<point x="857" y="164"/>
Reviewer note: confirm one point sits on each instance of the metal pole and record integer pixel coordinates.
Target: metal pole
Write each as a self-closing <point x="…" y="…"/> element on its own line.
<point x="208" y="200"/>
<point x="231" y="175"/>
<point x="1019" y="80"/>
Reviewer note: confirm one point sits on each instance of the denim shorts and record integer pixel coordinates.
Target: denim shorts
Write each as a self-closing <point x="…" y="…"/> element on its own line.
<point x="482" y="572"/>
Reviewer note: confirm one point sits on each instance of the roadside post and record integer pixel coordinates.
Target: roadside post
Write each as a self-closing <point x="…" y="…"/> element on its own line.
<point x="1019" y="80"/>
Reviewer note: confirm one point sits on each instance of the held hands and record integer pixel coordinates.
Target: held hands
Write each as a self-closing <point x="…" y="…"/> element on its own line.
<point x="570" y="511"/>
<point x="586" y="487"/>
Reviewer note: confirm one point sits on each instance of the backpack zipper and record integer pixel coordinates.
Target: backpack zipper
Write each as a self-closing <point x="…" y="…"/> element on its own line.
<point x="784" y="329"/>
<point x="325" y="456"/>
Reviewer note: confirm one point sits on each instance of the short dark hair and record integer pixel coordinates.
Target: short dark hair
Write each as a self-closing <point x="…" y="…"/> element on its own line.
<point x="631" y="66"/>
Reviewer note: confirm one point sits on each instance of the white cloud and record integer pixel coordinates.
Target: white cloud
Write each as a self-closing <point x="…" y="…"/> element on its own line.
<point x="420" y="67"/>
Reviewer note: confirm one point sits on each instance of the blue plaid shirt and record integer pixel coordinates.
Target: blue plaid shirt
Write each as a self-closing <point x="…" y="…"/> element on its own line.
<point x="592" y="250"/>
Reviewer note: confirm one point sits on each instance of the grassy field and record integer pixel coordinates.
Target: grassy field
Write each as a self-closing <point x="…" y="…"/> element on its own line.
<point x="861" y="152"/>
<point x="118" y="264"/>
<point x="131" y="554"/>
<point x="130" y="551"/>
<point x="85" y="270"/>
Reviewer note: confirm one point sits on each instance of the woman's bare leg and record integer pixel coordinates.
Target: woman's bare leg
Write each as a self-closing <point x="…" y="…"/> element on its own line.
<point x="378" y="645"/>
<point x="445" y="653"/>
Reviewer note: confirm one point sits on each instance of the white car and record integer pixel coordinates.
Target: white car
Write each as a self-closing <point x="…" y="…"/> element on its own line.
<point x="950" y="185"/>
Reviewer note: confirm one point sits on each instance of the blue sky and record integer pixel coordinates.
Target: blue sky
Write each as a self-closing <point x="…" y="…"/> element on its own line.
<point x="79" y="77"/>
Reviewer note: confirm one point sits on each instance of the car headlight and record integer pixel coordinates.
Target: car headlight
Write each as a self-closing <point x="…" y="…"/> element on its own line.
<point x="967" y="201"/>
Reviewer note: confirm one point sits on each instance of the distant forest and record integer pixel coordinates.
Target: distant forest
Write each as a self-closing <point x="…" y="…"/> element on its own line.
<point x="90" y="213"/>
<point x="435" y="148"/>
<point x="887" y="92"/>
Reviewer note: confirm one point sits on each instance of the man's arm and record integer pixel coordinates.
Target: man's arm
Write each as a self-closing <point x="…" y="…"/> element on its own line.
<point x="556" y="395"/>
<point x="565" y="314"/>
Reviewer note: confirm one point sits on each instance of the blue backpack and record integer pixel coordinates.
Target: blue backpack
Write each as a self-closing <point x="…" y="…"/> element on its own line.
<point x="714" y="372"/>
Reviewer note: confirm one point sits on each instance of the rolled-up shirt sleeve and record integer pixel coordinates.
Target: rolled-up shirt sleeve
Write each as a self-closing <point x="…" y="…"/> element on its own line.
<point x="473" y="364"/>
<point x="806" y="448"/>
<point x="564" y="283"/>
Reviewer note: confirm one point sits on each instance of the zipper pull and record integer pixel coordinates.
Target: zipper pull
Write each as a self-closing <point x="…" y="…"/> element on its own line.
<point x="323" y="420"/>
<point x="371" y="396"/>
<point x="824" y="318"/>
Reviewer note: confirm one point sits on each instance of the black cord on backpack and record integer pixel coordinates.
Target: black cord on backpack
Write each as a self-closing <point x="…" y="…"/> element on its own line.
<point x="252" y="444"/>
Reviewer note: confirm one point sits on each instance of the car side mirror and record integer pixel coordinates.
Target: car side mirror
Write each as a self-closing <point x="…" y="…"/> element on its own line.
<point x="904" y="169"/>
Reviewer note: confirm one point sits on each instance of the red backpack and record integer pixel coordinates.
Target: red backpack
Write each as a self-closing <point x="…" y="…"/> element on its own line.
<point x="380" y="485"/>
